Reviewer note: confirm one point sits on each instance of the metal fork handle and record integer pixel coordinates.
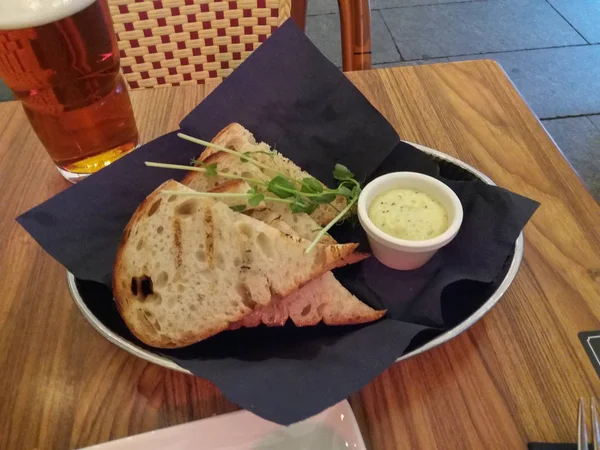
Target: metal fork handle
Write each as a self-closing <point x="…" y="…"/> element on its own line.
<point x="582" y="438"/>
<point x="595" y="424"/>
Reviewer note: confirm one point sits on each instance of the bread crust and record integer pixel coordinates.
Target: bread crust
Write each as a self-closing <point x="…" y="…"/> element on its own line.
<point x="137" y="272"/>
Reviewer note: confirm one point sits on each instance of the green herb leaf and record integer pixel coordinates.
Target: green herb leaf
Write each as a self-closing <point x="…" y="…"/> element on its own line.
<point x="302" y="205"/>
<point x="238" y="208"/>
<point x="280" y="186"/>
<point x="343" y="190"/>
<point x="252" y="190"/>
<point x="322" y="199"/>
<point x="297" y="208"/>
<point x="311" y="186"/>
<point x="348" y="183"/>
<point x="211" y="170"/>
<point x="341" y="172"/>
<point x="302" y="208"/>
<point x="245" y="158"/>
<point x="311" y="208"/>
<point x="256" y="199"/>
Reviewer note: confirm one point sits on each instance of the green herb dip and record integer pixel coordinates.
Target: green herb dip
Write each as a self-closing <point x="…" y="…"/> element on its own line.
<point x="408" y="214"/>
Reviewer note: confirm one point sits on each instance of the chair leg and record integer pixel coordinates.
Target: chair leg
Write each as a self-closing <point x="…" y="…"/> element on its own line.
<point x="355" y="21"/>
<point x="299" y="13"/>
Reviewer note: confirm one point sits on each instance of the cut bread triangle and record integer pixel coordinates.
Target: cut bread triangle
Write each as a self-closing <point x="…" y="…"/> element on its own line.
<point x="236" y="137"/>
<point x="188" y="267"/>
<point x="322" y="299"/>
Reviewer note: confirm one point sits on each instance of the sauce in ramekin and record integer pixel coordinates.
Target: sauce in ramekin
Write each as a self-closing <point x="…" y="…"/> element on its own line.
<point x="408" y="214"/>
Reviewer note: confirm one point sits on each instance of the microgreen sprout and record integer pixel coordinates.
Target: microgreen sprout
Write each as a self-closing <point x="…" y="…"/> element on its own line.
<point x="303" y="196"/>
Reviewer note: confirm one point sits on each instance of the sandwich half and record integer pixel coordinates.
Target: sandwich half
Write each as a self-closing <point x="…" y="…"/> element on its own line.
<point x="236" y="137"/>
<point x="188" y="267"/>
<point x="322" y="299"/>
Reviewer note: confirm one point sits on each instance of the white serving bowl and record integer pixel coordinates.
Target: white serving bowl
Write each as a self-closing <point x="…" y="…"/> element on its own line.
<point x="402" y="254"/>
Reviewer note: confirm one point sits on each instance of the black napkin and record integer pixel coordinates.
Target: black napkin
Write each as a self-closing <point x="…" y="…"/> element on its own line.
<point x="289" y="95"/>
<point x="492" y="221"/>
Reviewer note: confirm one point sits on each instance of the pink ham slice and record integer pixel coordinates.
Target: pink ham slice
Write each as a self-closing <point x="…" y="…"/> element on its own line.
<point x="322" y="299"/>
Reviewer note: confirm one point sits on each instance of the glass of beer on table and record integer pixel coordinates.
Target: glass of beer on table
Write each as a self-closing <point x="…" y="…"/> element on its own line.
<point x="60" y="59"/>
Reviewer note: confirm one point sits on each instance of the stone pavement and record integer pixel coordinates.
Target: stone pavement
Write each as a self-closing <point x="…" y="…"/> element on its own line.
<point x="549" y="48"/>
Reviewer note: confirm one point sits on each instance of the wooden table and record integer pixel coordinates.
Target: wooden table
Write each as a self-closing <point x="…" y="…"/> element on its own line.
<point x="514" y="377"/>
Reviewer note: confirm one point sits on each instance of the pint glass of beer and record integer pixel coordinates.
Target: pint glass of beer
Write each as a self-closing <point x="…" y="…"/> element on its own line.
<point x="60" y="59"/>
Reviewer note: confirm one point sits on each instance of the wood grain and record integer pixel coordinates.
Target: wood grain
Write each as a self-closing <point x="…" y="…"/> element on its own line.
<point x="512" y="378"/>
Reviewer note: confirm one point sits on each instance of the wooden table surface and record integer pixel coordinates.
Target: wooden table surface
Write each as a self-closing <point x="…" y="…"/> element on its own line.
<point x="512" y="378"/>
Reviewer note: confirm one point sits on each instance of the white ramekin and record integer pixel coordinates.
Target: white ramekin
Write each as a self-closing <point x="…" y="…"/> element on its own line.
<point x="403" y="254"/>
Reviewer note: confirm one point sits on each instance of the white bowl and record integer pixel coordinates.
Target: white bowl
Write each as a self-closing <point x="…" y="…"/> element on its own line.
<point x="402" y="254"/>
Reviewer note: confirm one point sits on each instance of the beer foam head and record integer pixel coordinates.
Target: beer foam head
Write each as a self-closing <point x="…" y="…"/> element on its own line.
<point x="17" y="14"/>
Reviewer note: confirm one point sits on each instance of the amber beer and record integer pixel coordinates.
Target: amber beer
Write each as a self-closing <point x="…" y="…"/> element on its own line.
<point x="60" y="59"/>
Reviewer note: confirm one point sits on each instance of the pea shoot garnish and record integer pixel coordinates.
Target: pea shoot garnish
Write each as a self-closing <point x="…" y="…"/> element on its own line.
<point x="302" y="195"/>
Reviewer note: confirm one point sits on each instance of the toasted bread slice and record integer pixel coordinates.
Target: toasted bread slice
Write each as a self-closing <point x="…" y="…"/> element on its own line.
<point x="187" y="268"/>
<point x="226" y="163"/>
<point x="323" y="299"/>
<point x="326" y="299"/>
<point x="236" y="187"/>
<point x="302" y="224"/>
<point x="275" y="214"/>
<point x="238" y="138"/>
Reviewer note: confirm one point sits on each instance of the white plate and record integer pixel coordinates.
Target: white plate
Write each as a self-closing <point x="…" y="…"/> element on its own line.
<point x="333" y="429"/>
